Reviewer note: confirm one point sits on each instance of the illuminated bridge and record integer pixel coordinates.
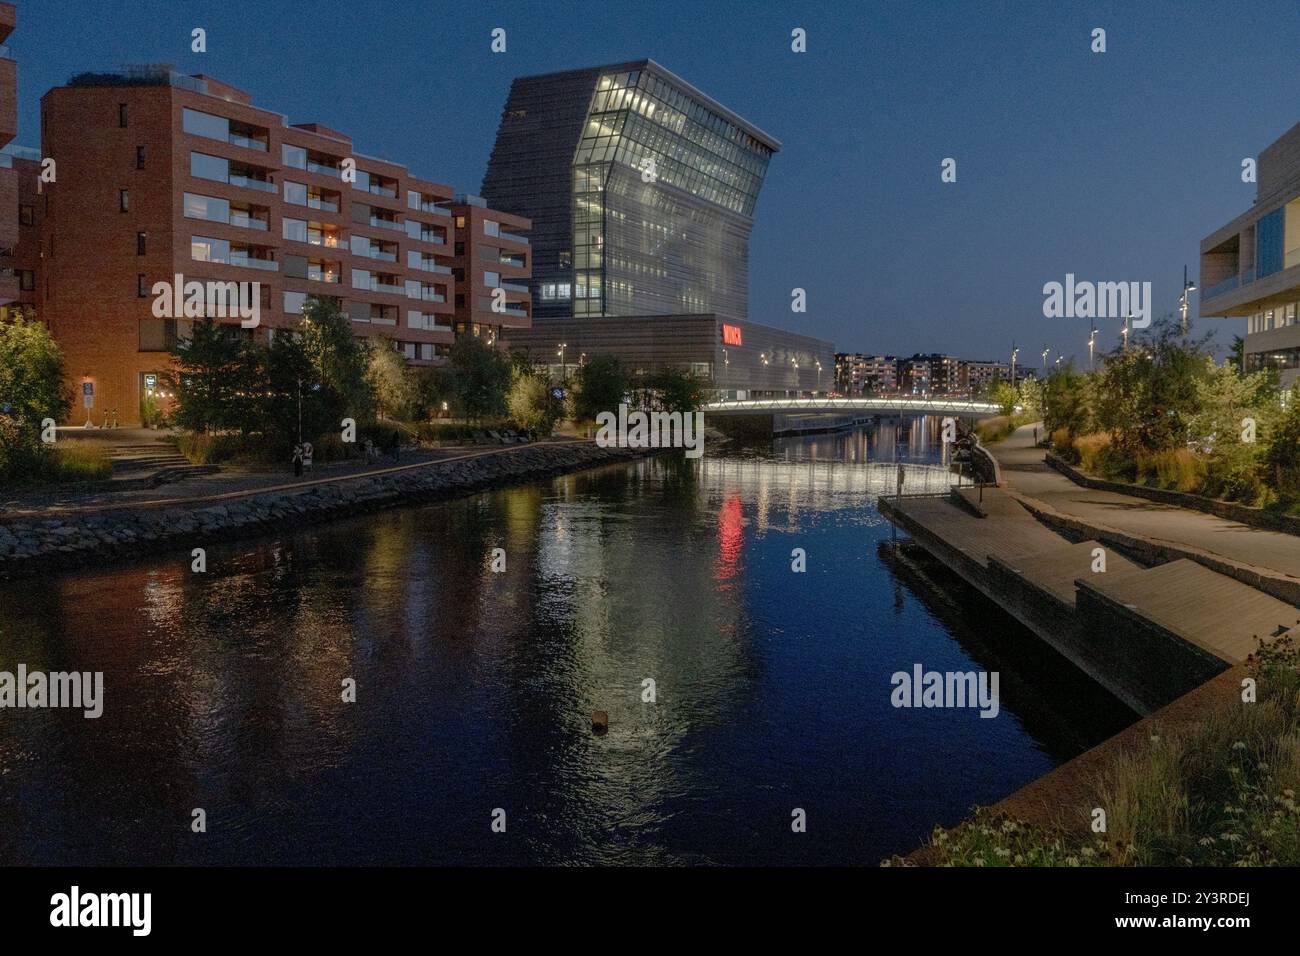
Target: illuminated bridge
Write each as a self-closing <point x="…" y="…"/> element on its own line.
<point x="903" y="404"/>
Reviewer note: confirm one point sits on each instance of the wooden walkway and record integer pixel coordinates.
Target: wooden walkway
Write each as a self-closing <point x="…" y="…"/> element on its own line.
<point x="1038" y="576"/>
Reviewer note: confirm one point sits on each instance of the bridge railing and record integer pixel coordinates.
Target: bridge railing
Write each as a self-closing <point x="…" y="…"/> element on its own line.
<point x="917" y="404"/>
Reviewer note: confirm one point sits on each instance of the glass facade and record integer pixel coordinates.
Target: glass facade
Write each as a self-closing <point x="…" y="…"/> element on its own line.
<point x="659" y="189"/>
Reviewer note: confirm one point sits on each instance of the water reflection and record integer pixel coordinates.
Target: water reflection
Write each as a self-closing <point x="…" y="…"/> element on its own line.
<point x="474" y="688"/>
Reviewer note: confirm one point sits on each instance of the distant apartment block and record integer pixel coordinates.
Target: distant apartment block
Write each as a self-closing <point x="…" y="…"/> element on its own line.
<point x="1251" y="266"/>
<point x="640" y="188"/>
<point x="858" y="374"/>
<point x="921" y="374"/>
<point x="978" y="377"/>
<point x="161" y="174"/>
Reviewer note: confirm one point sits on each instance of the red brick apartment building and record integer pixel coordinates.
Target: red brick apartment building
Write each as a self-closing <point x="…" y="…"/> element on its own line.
<point x="8" y="176"/>
<point x="161" y="174"/>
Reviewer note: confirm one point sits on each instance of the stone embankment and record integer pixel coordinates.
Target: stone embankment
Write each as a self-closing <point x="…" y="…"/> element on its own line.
<point x="69" y="537"/>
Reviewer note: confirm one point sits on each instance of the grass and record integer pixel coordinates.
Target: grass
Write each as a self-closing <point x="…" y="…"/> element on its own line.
<point x="81" y="460"/>
<point x="996" y="429"/>
<point x="1221" y="792"/>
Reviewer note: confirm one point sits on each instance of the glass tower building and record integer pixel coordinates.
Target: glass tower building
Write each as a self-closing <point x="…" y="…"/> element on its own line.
<point x="641" y="190"/>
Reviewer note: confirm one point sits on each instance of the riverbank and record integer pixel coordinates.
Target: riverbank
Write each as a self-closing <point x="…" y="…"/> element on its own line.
<point x="46" y="539"/>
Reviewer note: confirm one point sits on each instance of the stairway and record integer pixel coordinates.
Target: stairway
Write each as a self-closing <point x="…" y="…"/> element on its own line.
<point x="153" y="463"/>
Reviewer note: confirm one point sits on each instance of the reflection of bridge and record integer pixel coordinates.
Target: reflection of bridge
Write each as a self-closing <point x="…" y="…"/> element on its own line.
<point x="904" y="404"/>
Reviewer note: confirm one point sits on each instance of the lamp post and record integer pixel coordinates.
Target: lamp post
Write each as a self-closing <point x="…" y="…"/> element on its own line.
<point x="1014" y="352"/>
<point x="564" y="370"/>
<point x="1045" y="351"/>
<point x="1124" y="331"/>
<point x="1188" y="288"/>
<point x="1092" y="342"/>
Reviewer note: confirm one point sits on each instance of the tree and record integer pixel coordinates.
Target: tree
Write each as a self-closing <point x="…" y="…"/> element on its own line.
<point x="396" y="395"/>
<point x="1147" y="393"/>
<point x="1237" y="354"/>
<point x="31" y="375"/>
<point x="341" y="360"/>
<point x="1005" y="396"/>
<point x="214" y="380"/>
<point x="31" y="390"/>
<point x="675" y="390"/>
<point x="480" y="377"/>
<point x="600" y="385"/>
<point x="531" y="403"/>
<point x="1065" y="402"/>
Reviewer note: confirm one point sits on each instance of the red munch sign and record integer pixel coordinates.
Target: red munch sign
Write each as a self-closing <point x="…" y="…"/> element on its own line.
<point x="731" y="334"/>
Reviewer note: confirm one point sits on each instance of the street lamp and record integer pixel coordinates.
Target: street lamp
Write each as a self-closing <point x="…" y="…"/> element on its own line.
<point x="1014" y="352"/>
<point x="1045" y="351"/>
<point x="1092" y="341"/>
<point x="1124" y="331"/>
<point x="1188" y="288"/>
<point x="564" y="372"/>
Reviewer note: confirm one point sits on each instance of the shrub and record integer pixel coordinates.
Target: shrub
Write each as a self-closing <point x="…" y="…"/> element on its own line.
<point x="1063" y="445"/>
<point x="1088" y="447"/>
<point x="1175" y="469"/>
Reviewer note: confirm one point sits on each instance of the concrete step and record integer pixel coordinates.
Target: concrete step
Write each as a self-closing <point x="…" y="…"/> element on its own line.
<point x="1189" y="602"/>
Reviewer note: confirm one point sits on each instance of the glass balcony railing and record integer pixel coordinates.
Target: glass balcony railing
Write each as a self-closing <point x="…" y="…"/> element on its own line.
<point x="248" y="262"/>
<point x="249" y="183"/>
<point x="387" y="224"/>
<point x="514" y="287"/>
<point x="323" y="169"/>
<point x="512" y="237"/>
<point x="425" y="295"/>
<point x="328" y="205"/>
<point x="1230" y="283"/>
<point x="247" y="142"/>
<point x="248" y="222"/>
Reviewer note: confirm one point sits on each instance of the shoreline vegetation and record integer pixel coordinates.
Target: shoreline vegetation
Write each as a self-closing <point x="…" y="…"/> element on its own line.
<point x="1220" y="790"/>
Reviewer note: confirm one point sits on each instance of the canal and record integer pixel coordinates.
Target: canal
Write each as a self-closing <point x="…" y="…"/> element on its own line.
<point x="474" y="688"/>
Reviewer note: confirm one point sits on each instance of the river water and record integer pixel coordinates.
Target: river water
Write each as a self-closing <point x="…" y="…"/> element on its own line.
<point x="474" y="688"/>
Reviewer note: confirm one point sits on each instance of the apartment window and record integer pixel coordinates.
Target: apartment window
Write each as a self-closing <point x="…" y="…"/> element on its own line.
<point x="139" y="157"/>
<point x="209" y="167"/>
<point x="460" y="248"/>
<point x="205" y="124"/>
<point x="141" y="286"/>
<point x="205" y="249"/>
<point x="139" y="243"/>
<point x="26" y="280"/>
<point x="294" y="229"/>
<point x="491" y="228"/>
<point x="295" y="193"/>
<point x="210" y="208"/>
<point x="121" y="115"/>
<point x="124" y="200"/>
<point x="294" y="302"/>
<point x="157" y="335"/>
<point x="492" y="279"/>
<point x="460" y="222"/>
<point x="294" y="156"/>
<point x="26" y="216"/>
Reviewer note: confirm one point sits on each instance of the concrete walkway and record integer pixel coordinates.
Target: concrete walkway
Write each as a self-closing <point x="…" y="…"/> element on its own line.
<point x="1026" y="472"/>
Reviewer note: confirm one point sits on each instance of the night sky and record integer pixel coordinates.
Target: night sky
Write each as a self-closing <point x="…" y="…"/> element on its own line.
<point x="1111" y="166"/>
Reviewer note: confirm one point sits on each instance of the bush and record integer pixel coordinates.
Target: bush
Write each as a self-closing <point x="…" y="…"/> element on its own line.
<point x="532" y="405"/>
<point x="1176" y="469"/>
<point x="1063" y="445"/>
<point x="445" y="431"/>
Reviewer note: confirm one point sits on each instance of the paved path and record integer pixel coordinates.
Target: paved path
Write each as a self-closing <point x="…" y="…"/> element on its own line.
<point x="1024" y="470"/>
<point x="230" y="483"/>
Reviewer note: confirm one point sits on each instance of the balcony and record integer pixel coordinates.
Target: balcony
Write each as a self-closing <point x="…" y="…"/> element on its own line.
<point x="249" y="183"/>
<point x="248" y="262"/>
<point x="387" y="224"/>
<point x="514" y="287"/>
<point x="512" y="237"/>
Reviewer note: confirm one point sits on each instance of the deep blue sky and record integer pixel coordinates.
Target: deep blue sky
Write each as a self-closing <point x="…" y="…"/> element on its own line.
<point x="1111" y="166"/>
